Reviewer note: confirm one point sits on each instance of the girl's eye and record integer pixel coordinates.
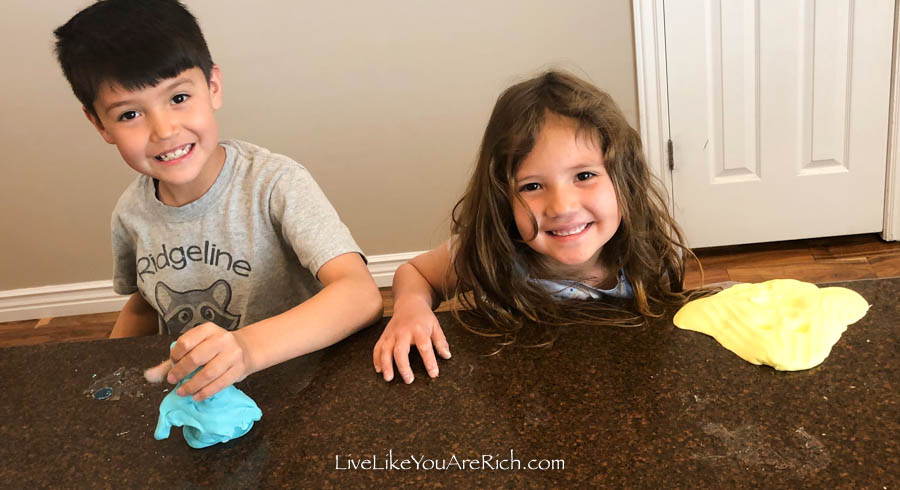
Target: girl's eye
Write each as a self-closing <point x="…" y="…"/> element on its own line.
<point x="585" y="175"/>
<point x="533" y="186"/>
<point x="180" y="98"/>
<point x="127" y="116"/>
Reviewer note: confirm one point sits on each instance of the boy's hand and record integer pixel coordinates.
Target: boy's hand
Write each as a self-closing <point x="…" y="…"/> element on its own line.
<point x="413" y="324"/>
<point x="220" y="352"/>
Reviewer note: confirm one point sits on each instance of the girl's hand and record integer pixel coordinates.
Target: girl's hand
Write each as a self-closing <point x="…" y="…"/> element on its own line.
<point x="413" y="323"/>
<point x="221" y="353"/>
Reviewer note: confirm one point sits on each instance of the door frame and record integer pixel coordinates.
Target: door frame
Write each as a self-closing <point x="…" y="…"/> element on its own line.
<point x="653" y="97"/>
<point x="653" y="106"/>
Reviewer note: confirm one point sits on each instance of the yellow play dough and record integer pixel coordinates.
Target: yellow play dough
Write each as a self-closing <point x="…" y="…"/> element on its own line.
<point x="787" y="324"/>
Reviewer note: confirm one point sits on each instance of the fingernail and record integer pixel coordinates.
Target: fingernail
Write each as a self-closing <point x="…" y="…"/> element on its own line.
<point x="408" y="380"/>
<point x="433" y="373"/>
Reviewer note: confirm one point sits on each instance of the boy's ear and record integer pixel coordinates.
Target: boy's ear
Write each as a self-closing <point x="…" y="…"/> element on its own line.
<point x="215" y="87"/>
<point x="98" y="125"/>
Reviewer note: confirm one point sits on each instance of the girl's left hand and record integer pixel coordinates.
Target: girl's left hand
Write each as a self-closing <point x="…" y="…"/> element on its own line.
<point x="221" y="353"/>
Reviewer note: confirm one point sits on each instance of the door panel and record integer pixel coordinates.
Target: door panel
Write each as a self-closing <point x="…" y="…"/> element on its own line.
<point x="778" y="115"/>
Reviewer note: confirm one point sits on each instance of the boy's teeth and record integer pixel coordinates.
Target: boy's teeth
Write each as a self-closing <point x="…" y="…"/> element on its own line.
<point x="175" y="154"/>
<point x="572" y="231"/>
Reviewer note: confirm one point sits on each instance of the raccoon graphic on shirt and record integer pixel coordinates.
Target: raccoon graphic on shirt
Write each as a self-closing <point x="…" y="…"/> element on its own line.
<point x="184" y="310"/>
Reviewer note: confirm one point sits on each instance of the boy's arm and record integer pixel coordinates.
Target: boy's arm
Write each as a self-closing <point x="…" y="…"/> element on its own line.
<point x="136" y="318"/>
<point x="349" y="301"/>
<point x="419" y="286"/>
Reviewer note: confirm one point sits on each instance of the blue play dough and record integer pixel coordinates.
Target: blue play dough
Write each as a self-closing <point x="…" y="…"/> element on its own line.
<point x="227" y="415"/>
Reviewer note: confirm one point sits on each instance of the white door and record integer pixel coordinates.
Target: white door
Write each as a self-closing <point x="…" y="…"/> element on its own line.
<point x="778" y="116"/>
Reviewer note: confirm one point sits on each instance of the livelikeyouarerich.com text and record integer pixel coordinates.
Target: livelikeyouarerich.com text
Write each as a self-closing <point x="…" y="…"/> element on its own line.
<point x="489" y="462"/>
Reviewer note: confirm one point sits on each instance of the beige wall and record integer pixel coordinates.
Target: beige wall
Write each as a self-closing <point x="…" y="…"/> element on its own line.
<point x="384" y="102"/>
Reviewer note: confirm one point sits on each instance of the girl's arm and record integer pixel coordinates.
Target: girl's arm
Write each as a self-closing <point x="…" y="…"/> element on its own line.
<point x="136" y="318"/>
<point x="419" y="287"/>
<point x="349" y="301"/>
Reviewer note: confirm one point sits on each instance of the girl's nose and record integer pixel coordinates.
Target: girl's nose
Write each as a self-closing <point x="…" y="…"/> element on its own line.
<point x="561" y="202"/>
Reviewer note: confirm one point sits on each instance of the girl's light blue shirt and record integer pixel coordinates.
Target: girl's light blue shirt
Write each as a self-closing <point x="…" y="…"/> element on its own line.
<point x="564" y="289"/>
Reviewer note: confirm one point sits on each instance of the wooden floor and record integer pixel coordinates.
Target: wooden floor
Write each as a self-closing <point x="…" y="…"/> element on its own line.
<point x="816" y="260"/>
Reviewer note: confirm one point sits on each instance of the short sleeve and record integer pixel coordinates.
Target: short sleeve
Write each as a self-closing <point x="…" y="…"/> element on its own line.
<point x="124" y="260"/>
<point x="307" y="220"/>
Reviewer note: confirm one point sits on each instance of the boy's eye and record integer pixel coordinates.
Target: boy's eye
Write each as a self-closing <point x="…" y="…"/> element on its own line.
<point x="585" y="175"/>
<point x="127" y="116"/>
<point x="531" y="186"/>
<point x="180" y="98"/>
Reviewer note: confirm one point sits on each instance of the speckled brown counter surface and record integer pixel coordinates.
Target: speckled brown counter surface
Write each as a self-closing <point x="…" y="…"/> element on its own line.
<point x="647" y="407"/>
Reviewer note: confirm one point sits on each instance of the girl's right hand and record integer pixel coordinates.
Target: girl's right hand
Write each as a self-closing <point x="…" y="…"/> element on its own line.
<point x="413" y="323"/>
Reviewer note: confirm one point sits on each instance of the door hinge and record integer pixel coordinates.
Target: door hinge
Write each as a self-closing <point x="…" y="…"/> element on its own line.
<point x="670" y="155"/>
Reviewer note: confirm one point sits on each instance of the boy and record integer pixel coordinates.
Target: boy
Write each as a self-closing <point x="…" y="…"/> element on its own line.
<point x="225" y="243"/>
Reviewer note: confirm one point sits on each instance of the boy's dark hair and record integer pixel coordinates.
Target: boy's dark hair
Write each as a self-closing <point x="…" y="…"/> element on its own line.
<point x="133" y="43"/>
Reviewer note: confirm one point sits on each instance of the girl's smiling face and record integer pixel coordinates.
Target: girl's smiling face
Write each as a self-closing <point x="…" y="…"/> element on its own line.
<point x="564" y="184"/>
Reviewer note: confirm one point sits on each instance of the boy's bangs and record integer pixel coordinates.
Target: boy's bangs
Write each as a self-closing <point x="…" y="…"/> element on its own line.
<point x="136" y="74"/>
<point x="138" y="65"/>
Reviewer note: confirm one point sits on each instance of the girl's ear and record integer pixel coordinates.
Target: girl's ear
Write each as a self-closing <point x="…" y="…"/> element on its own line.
<point x="98" y="125"/>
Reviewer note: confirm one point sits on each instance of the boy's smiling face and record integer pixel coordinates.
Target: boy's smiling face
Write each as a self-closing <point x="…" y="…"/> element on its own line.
<point x="168" y="132"/>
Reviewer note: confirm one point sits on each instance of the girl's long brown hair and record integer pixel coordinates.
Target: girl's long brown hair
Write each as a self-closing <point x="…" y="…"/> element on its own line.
<point x="494" y="264"/>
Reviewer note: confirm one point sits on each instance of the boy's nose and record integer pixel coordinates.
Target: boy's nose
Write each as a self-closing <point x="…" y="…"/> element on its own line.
<point x="162" y="128"/>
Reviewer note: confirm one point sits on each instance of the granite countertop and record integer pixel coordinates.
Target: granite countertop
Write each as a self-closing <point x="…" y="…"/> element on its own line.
<point x="652" y="406"/>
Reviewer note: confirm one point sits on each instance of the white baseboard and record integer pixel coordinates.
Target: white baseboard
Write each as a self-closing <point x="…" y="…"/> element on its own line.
<point x="82" y="298"/>
<point x="85" y="298"/>
<point x="383" y="267"/>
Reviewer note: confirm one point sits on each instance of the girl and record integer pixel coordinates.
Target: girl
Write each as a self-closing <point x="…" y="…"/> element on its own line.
<point x="561" y="208"/>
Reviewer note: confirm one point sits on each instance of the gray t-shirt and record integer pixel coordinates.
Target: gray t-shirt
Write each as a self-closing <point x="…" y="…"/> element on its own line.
<point x="248" y="249"/>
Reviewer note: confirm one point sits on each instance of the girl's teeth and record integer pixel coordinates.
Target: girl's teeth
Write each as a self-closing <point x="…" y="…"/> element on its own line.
<point x="176" y="154"/>
<point x="570" y="232"/>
